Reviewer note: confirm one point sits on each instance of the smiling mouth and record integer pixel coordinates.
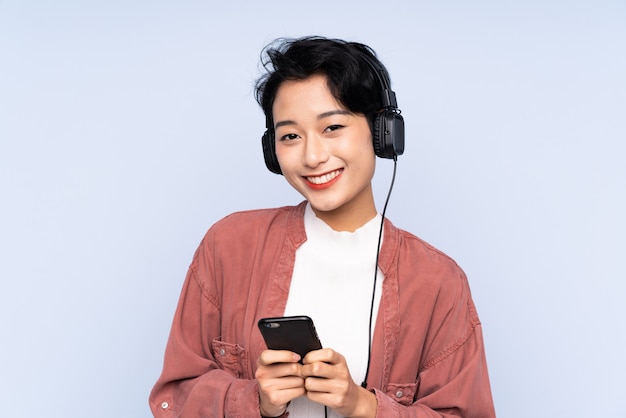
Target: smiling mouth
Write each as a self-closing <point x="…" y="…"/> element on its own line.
<point x="325" y="178"/>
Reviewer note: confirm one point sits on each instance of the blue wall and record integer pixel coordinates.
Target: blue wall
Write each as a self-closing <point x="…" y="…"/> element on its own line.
<point x="128" y="128"/>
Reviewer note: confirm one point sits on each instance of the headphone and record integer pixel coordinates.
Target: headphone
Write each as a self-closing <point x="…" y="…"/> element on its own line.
<point x="388" y="135"/>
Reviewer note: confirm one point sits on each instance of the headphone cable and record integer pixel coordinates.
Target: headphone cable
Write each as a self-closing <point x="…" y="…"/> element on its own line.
<point x="380" y="237"/>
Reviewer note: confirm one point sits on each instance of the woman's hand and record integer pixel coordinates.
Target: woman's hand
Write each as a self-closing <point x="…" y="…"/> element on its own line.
<point x="280" y="380"/>
<point x="328" y="381"/>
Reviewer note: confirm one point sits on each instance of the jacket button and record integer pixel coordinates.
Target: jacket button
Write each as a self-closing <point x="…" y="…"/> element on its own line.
<point x="165" y="405"/>
<point x="222" y="352"/>
<point x="399" y="394"/>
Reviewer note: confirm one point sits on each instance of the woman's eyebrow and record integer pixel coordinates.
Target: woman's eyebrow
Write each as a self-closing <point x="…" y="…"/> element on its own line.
<point x="319" y="117"/>
<point x="333" y="112"/>
<point x="284" y="123"/>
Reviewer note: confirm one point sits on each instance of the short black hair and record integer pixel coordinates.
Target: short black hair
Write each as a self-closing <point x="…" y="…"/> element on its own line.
<point x="348" y="67"/>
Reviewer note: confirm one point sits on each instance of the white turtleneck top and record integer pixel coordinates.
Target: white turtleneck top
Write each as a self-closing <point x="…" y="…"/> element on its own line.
<point x="332" y="283"/>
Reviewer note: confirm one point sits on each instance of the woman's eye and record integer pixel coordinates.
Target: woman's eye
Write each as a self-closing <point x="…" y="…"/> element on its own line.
<point x="333" y="128"/>
<point x="288" y="137"/>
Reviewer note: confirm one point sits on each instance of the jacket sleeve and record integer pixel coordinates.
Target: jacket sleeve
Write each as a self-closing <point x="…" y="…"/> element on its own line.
<point x="199" y="378"/>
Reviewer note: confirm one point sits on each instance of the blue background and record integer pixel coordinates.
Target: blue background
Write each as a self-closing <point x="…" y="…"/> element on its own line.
<point x="128" y="128"/>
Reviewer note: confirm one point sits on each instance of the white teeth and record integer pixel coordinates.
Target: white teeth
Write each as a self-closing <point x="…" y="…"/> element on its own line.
<point x="325" y="178"/>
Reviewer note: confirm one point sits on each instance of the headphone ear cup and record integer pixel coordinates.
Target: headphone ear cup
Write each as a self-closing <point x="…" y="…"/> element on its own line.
<point x="269" y="152"/>
<point x="379" y="144"/>
<point x="388" y="134"/>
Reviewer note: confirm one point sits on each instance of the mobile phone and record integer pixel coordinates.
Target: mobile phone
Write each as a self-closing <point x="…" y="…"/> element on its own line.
<point x="293" y="333"/>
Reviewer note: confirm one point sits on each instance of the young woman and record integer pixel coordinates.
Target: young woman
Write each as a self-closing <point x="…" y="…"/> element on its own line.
<point x="401" y="337"/>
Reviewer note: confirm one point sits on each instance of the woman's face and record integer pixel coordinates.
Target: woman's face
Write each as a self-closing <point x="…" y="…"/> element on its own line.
<point x="325" y="152"/>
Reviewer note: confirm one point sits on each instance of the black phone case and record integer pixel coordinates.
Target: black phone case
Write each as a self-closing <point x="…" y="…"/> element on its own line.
<point x="293" y="333"/>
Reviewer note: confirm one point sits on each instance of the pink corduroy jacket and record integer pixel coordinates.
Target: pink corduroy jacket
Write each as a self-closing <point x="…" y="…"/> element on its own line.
<point x="428" y="357"/>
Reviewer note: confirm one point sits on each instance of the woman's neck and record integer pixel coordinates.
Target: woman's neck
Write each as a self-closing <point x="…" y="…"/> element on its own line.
<point x="347" y="218"/>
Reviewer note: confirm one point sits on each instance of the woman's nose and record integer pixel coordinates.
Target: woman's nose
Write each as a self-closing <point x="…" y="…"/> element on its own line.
<point x="315" y="151"/>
